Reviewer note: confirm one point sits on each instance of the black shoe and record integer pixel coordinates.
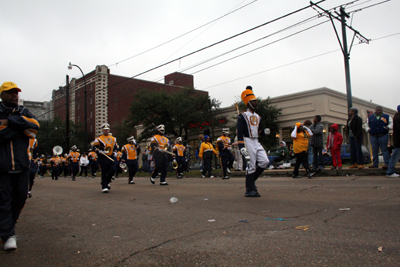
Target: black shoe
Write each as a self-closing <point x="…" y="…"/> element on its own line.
<point x="131" y="182"/>
<point x="163" y="183"/>
<point x="152" y="180"/>
<point x="226" y="177"/>
<point x="310" y="175"/>
<point x="73" y="179"/>
<point x="296" y="176"/>
<point x="252" y="193"/>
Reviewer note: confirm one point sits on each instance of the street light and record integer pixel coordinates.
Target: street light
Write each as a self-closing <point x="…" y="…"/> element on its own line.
<point x="85" y="93"/>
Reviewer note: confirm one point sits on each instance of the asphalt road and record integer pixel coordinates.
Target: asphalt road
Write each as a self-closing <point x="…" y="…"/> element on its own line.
<point x="327" y="221"/>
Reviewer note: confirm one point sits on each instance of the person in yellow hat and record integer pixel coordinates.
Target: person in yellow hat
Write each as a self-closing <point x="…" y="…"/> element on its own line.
<point x="17" y="126"/>
<point x="248" y="131"/>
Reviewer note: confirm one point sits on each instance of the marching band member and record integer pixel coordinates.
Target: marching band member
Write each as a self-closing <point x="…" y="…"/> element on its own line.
<point x="179" y="151"/>
<point x="227" y="158"/>
<point x="104" y="146"/>
<point x="42" y="166"/>
<point x="117" y="163"/>
<point x="74" y="156"/>
<point x="55" y="163"/>
<point x="65" y="165"/>
<point x="206" y="155"/>
<point x="33" y="157"/>
<point x="158" y="144"/>
<point x="93" y="162"/>
<point x="248" y="125"/>
<point x="130" y="155"/>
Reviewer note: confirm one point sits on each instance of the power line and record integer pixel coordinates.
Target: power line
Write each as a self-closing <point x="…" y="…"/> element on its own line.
<point x="173" y="39"/>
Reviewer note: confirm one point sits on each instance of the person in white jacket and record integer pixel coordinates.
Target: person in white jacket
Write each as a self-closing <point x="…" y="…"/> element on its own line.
<point x="84" y="162"/>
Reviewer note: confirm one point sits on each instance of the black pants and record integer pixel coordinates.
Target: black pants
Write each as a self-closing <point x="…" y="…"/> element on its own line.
<point x="107" y="171"/>
<point x="207" y="166"/>
<point x="13" y="194"/>
<point x="318" y="159"/>
<point x="42" y="170"/>
<point x="55" y="172"/>
<point x="161" y="161"/>
<point x="31" y="180"/>
<point x="83" y="169"/>
<point x="74" y="169"/>
<point x="301" y="158"/>
<point x="226" y="162"/>
<point x="93" y="168"/>
<point x="181" y="164"/>
<point x="66" y="170"/>
<point x="133" y="167"/>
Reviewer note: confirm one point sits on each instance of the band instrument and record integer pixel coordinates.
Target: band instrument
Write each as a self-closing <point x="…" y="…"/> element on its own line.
<point x="104" y="153"/>
<point x="57" y="150"/>
<point x="123" y="166"/>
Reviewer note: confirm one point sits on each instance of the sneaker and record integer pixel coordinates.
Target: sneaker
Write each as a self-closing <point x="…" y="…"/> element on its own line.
<point x="163" y="183"/>
<point x="131" y="182"/>
<point x="29" y="194"/>
<point x="252" y="193"/>
<point x="202" y="176"/>
<point x="228" y="170"/>
<point x="361" y="167"/>
<point x="11" y="244"/>
<point x="212" y="177"/>
<point x="152" y="180"/>
<point x="180" y="176"/>
<point x="354" y="166"/>
<point x="73" y="179"/>
<point x="373" y="167"/>
<point x="333" y="168"/>
<point x="105" y="190"/>
<point x="296" y="176"/>
<point x="310" y="175"/>
<point x="393" y="175"/>
<point x="385" y="167"/>
<point x="226" y="177"/>
<point x="270" y="167"/>
<point x="109" y="187"/>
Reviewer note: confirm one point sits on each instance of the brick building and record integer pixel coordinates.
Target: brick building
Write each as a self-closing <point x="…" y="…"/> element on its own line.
<point x="108" y="97"/>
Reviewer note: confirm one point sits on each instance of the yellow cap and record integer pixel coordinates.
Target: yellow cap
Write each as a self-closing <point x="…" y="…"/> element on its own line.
<point x="248" y="95"/>
<point x="8" y="86"/>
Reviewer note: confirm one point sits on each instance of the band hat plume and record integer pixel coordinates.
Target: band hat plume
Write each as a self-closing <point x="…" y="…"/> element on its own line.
<point x="8" y="86"/>
<point x="248" y="95"/>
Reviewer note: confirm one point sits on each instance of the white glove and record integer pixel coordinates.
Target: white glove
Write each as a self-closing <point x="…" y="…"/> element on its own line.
<point x="267" y="131"/>
<point x="245" y="154"/>
<point x="115" y="154"/>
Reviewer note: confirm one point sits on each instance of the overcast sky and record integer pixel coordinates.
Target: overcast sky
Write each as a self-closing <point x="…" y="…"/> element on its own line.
<point x="39" y="39"/>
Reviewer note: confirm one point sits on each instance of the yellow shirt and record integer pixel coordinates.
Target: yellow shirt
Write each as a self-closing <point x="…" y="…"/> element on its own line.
<point x="300" y="143"/>
<point x="205" y="147"/>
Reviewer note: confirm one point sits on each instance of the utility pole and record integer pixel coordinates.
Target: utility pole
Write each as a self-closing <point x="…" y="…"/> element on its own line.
<point x="346" y="53"/>
<point x="67" y="137"/>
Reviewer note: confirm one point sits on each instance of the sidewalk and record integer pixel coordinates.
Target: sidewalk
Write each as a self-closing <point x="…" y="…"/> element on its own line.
<point x="346" y="171"/>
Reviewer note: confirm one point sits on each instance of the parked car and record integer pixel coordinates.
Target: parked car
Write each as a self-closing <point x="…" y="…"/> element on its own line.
<point x="346" y="157"/>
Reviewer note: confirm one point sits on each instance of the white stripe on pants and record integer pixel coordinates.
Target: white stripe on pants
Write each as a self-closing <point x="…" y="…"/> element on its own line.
<point x="257" y="155"/>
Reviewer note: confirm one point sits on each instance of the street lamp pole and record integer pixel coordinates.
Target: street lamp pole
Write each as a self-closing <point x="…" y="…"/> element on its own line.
<point x="85" y="94"/>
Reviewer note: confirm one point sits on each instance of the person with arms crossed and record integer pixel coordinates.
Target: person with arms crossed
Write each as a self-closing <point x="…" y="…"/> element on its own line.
<point x="17" y="126"/>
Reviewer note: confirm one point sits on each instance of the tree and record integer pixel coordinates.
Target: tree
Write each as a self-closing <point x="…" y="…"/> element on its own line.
<point x="269" y="119"/>
<point x="52" y="133"/>
<point x="176" y="110"/>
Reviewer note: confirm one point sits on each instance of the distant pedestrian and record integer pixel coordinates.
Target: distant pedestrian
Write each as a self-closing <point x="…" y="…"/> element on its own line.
<point x="84" y="163"/>
<point x="300" y="137"/>
<point x="355" y="131"/>
<point x="334" y="143"/>
<point x="206" y="155"/>
<point x="378" y="126"/>
<point x="317" y="143"/>
<point x="308" y="123"/>
<point x="396" y="144"/>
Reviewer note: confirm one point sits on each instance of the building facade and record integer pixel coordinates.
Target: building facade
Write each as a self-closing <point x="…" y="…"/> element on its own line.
<point x="108" y="97"/>
<point x="41" y="110"/>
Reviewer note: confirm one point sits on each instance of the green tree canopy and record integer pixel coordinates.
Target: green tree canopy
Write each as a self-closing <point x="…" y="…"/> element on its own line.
<point x="176" y="110"/>
<point x="269" y="119"/>
<point x="53" y="133"/>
